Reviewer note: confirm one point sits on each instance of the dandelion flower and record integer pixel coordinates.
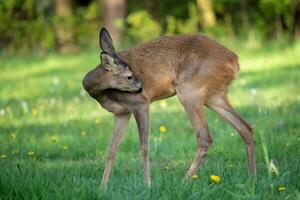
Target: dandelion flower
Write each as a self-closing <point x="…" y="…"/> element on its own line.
<point x="65" y="147"/>
<point x="53" y="138"/>
<point x="97" y="121"/>
<point x="3" y="156"/>
<point x="14" y="152"/>
<point x="13" y="136"/>
<point x="194" y="177"/>
<point x="30" y="153"/>
<point x="34" y="112"/>
<point x="215" y="178"/>
<point x="162" y="129"/>
<point x="281" y="188"/>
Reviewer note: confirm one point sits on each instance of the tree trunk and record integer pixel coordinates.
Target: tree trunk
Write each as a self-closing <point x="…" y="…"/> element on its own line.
<point x="296" y="24"/>
<point x="63" y="25"/>
<point x="114" y="9"/>
<point x="245" y="17"/>
<point x="207" y="13"/>
<point x="154" y="8"/>
<point x="278" y="27"/>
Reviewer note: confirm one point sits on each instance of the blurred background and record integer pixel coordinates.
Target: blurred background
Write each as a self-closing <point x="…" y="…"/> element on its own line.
<point x="73" y="25"/>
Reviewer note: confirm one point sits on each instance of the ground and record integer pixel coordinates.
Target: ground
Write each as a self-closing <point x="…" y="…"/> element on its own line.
<point x="54" y="137"/>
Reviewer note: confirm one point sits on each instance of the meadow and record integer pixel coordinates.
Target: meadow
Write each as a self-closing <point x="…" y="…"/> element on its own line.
<point x="54" y="137"/>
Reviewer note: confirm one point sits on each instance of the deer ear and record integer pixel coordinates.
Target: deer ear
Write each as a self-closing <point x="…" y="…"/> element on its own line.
<point x="105" y="42"/>
<point x="108" y="61"/>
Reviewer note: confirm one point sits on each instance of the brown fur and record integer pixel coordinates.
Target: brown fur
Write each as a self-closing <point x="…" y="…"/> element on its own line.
<point x="194" y="67"/>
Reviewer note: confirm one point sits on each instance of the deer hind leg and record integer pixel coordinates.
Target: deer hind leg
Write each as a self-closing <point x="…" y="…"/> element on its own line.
<point x="220" y="104"/>
<point x="193" y="103"/>
<point x="121" y="122"/>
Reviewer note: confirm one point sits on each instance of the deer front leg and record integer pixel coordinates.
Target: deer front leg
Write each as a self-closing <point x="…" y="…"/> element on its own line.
<point x="121" y="122"/>
<point x="193" y="103"/>
<point x="142" y="119"/>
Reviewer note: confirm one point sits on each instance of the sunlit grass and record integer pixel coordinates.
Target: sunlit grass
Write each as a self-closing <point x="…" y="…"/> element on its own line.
<point x="53" y="137"/>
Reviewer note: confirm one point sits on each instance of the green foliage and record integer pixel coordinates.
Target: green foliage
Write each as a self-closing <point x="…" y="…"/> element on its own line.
<point x="92" y="11"/>
<point x="44" y="109"/>
<point x="278" y="9"/>
<point x="141" y="26"/>
<point x="275" y="7"/>
<point x="24" y="32"/>
<point x="267" y="18"/>
<point x="190" y="25"/>
<point x="31" y="24"/>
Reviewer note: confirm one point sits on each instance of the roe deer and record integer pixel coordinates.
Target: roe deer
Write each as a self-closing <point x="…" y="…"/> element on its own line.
<point x="194" y="67"/>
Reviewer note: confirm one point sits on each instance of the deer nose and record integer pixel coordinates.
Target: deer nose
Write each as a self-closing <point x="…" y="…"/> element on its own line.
<point x="139" y="86"/>
<point x="86" y="82"/>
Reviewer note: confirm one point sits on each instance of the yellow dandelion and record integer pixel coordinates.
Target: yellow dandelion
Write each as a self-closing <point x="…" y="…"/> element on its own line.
<point x="163" y="104"/>
<point x="65" y="147"/>
<point x="30" y="153"/>
<point x="97" y="121"/>
<point x="83" y="133"/>
<point x="3" y="156"/>
<point x="281" y="188"/>
<point x="34" y="112"/>
<point x="14" y="152"/>
<point x="13" y="136"/>
<point x="162" y="129"/>
<point x="53" y="138"/>
<point x="194" y="177"/>
<point x="215" y="178"/>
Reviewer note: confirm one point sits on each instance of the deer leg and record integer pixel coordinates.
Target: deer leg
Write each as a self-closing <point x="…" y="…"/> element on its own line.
<point x="121" y="122"/>
<point x="142" y="119"/>
<point x="226" y="111"/>
<point x="194" y="107"/>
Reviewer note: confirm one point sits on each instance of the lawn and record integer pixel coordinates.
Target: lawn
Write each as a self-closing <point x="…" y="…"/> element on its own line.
<point x="54" y="137"/>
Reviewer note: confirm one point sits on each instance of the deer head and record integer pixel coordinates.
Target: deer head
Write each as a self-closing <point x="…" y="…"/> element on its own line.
<point x="112" y="73"/>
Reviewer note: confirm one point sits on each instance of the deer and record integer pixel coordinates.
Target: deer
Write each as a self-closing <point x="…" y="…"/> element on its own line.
<point x="192" y="66"/>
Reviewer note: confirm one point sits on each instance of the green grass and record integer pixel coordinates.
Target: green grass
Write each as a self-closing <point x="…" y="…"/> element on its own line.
<point x="44" y="109"/>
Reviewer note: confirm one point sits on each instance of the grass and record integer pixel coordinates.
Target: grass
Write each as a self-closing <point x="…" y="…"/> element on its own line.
<point x="53" y="137"/>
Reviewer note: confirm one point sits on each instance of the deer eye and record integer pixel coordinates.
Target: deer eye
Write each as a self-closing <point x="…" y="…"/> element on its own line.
<point x="129" y="78"/>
